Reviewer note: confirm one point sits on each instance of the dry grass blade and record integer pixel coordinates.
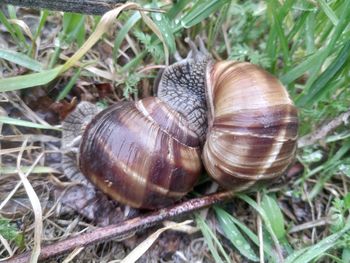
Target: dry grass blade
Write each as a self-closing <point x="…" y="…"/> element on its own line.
<point x="6" y="246"/>
<point x="146" y="244"/>
<point x="101" y="28"/>
<point x="29" y="137"/>
<point x="24" y="27"/>
<point x="73" y="254"/>
<point x="308" y="225"/>
<point x="188" y="229"/>
<point x="98" y="72"/>
<point x="17" y="149"/>
<point x="36" y="170"/>
<point x="2" y="113"/>
<point x="14" y="190"/>
<point x="34" y="200"/>
<point x="18" y="103"/>
<point x="260" y="231"/>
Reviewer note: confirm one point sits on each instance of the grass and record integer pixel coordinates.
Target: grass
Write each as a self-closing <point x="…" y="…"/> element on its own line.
<point x="305" y="43"/>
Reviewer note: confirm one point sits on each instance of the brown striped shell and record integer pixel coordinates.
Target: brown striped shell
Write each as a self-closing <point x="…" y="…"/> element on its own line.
<point x="141" y="154"/>
<point x="147" y="154"/>
<point x="253" y="125"/>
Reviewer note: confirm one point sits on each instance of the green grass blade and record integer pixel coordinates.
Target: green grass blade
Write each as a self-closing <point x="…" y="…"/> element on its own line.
<point x="200" y="11"/>
<point x="69" y="85"/>
<point x="123" y="32"/>
<point x="277" y="18"/>
<point x="29" y="80"/>
<point x="134" y="62"/>
<point x="308" y="254"/>
<point x="12" y="13"/>
<point x="302" y="68"/>
<point x="346" y="255"/>
<point x="318" y="88"/>
<point x="164" y="25"/>
<point x="328" y="49"/>
<point x="261" y="211"/>
<point x="299" y="24"/>
<point x="334" y="258"/>
<point x="211" y="239"/>
<point x="43" y="17"/>
<point x="276" y="14"/>
<point x="273" y="212"/>
<point x="9" y="26"/>
<point x="234" y="235"/>
<point x="20" y="59"/>
<point x="216" y="28"/>
<point x="177" y="8"/>
<point x="42" y="20"/>
<point x="329" y="168"/>
<point x="253" y="237"/>
<point x="80" y="34"/>
<point x="328" y="11"/>
<point x="73" y="28"/>
<point x="13" y="121"/>
<point x="309" y="33"/>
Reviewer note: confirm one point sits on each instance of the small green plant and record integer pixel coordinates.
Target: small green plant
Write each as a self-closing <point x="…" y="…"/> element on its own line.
<point x="10" y="232"/>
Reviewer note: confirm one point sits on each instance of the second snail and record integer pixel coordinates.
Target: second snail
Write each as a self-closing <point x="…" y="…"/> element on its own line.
<point x="232" y="118"/>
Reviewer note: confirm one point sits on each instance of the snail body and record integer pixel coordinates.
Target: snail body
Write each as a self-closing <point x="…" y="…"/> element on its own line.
<point x="234" y="117"/>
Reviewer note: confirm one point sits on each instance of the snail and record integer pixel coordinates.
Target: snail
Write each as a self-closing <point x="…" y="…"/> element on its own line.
<point x="233" y="117"/>
<point x="253" y="125"/>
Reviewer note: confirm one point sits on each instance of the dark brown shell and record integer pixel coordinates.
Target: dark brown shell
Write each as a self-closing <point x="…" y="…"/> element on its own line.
<point x="141" y="154"/>
<point x="253" y="125"/>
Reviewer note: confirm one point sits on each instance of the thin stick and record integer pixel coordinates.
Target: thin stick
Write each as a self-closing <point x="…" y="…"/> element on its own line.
<point x="96" y="7"/>
<point x="89" y="7"/>
<point x="324" y="130"/>
<point x="132" y="225"/>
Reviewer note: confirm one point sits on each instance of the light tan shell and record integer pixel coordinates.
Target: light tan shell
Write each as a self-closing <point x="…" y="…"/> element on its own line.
<point x="252" y="125"/>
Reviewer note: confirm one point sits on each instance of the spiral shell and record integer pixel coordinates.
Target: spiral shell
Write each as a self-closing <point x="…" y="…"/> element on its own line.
<point x="149" y="153"/>
<point x="141" y="154"/>
<point x="253" y="125"/>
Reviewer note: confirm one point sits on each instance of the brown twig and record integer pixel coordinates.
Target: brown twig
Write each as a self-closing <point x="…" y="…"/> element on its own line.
<point x="118" y="230"/>
<point x="96" y="7"/>
<point x="308" y="225"/>
<point x="89" y="7"/>
<point x="324" y="130"/>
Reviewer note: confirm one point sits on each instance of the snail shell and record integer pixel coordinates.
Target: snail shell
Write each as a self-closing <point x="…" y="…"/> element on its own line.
<point x="234" y="116"/>
<point x="253" y="125"/>
<point x="141" y="154"/>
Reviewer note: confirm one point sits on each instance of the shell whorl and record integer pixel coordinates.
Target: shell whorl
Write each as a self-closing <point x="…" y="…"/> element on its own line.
<point x="146" y="156"/>
<point x="252" y="125"/>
